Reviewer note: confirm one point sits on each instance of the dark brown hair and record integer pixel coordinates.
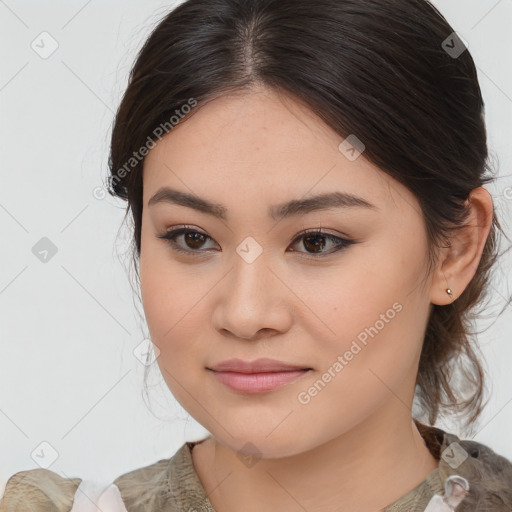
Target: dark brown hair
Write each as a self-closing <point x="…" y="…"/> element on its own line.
<point x="379" y="69"/>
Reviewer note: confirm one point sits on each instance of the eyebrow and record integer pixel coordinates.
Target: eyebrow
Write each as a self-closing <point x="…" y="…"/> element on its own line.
<point x="276" y="212"/>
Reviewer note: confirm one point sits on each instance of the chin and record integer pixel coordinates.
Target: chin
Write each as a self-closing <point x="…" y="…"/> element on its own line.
<point x="259" y="445"/>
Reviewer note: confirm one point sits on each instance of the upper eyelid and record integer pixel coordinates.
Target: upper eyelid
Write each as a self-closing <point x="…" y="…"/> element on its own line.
<point x="303" y="232"/>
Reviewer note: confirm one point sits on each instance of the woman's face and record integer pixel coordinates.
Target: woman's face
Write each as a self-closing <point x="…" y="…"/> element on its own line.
<point x="252" y="286"/>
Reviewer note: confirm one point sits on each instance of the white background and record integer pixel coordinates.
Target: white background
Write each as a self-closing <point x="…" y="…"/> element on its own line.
<point x="68" y="327"/>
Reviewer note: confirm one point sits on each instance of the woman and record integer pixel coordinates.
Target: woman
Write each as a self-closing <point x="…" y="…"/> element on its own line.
<point x="311" y="233"/>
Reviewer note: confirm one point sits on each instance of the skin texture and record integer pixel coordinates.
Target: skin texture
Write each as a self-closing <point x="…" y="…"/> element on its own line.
<point x="247" y="152"/>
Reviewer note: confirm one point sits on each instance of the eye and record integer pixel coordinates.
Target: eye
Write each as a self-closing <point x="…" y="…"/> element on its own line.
<point x="313" y="240"/>
<point x="316" y="240"/>
<point x="191" y="236"/>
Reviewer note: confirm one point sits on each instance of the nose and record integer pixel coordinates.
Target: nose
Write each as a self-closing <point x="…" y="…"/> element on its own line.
<point x="252" y="302"/>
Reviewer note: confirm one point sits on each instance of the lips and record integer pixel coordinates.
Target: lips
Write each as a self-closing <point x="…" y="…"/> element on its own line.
<point x="263" y="365"/>
<point x="255" y="383"/>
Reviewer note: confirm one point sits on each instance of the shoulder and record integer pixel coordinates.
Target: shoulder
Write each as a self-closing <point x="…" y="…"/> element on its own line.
<point x="37" y="490"/>
<point x="41" y="490"/>
<point x="478" y="458"/>
<point x="488" y="473"/>
<point x="169" y="484"/>
<point x="144" y="488"/>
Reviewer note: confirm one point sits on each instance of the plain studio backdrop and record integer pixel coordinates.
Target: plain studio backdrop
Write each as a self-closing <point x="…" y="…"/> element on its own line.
<point x="71" y="384"/>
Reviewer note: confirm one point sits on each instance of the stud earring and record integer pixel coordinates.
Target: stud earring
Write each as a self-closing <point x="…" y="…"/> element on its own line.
<point x="448" y="290"/>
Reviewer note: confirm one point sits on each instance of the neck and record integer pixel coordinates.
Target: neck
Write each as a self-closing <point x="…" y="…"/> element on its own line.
<point x="363" y="470"/>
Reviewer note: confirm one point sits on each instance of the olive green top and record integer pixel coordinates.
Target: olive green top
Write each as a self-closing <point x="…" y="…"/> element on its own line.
<point x="172" y="485"/>
<point x="39" y="490"/>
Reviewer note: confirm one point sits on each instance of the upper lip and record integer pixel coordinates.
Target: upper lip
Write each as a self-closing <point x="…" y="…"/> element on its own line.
<point x="256" y="366"/>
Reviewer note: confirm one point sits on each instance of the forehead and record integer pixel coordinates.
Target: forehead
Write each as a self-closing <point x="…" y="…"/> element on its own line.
<point x="261" y="145"/>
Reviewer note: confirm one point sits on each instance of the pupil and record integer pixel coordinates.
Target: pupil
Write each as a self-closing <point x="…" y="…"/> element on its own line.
<point x="195" y="238"/>
<point x="316" y="244"/>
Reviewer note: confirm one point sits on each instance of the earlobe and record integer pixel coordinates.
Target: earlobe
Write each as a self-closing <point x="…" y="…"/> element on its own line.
<point x="459" y="261"/>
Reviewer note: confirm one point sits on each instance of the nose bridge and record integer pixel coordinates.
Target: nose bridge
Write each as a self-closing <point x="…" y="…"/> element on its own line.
<point x="250" y="273"/>
<point x="248" y="299"/>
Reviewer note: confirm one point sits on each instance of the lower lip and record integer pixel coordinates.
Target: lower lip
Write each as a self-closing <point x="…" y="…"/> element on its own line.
<point x="257" y="382"/>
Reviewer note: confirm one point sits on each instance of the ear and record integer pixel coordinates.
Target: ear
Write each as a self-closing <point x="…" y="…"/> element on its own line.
<point x="458" y="262"/>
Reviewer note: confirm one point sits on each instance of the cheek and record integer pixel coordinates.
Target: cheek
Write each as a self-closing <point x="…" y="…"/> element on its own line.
<point x="174" y="311"/>
<point x="171" y="309"/>
<point x="163" y="287"/>
<point x="372" y="312"/>
<point x="172" y="318"/>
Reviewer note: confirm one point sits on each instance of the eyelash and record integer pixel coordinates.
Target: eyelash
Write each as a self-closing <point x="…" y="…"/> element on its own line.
<point x="170" y="236"/>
